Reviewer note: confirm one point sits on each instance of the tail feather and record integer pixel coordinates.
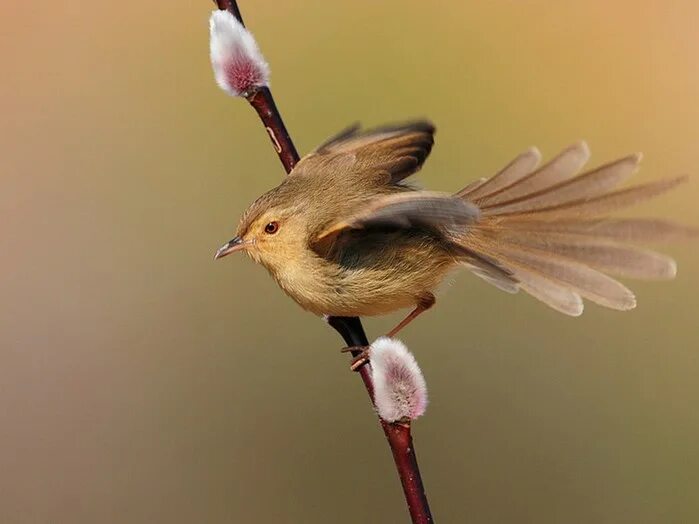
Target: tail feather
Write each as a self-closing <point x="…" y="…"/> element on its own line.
<point x="602" y="204"/>
<point x="589" y="185"/>
<point x="584" y="280"/>
<point x="602" y="254"/>
<point x="471" y="188"/>
<point x="511" y="173"/>
<point x="560" y="168"/>
<point x="620" y="229"/>
<point x="550" y="292"/>
<point x="547" y="230"/>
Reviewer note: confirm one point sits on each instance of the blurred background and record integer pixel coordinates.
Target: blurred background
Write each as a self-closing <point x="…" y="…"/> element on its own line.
<point x="142" y="382"/>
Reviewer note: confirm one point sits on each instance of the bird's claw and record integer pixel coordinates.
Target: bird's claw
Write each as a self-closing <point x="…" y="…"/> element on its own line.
<point x="361" y="359"/>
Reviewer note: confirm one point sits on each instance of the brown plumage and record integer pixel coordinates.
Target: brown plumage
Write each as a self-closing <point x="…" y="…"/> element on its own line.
<point x="344" y="235"/>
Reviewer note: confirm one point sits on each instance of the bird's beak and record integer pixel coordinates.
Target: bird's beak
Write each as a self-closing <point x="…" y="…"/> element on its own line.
<point x="236" y="244"/>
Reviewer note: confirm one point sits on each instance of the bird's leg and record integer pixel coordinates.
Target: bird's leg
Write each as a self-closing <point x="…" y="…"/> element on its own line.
<point x="424" y="303"/>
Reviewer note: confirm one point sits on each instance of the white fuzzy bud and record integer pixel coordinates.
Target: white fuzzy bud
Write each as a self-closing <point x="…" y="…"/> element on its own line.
<point x="400" y="391"/>
<point x="239" y="67"/>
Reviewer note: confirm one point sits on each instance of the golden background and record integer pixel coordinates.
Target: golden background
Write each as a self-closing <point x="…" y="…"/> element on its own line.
<point x="142" y="382"/>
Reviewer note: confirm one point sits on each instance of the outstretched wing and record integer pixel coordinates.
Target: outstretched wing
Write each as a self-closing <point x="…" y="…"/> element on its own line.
<point x="385" y="154"/>
<point x="420" y="210"/>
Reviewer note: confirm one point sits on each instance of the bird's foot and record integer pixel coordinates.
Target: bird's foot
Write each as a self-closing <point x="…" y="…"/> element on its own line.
<point x="361" y="359"/>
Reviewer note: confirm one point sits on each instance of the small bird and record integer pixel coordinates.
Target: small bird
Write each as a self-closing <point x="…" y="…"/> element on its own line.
<point x="345" y="235"/>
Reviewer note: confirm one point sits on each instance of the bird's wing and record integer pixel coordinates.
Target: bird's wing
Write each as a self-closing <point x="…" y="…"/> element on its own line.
<point x="423" y="210"/>
<point x="386" y="154"/>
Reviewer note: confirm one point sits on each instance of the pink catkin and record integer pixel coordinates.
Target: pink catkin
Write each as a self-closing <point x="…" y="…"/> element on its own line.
<point x="238" y="64"/>
<point x="242" y="74"/>
<point x="400" y="388"/>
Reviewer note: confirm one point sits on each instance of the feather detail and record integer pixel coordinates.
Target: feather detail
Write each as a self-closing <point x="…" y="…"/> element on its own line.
<point x="602" y="254"/>
<point x="413" y="209"/>
<point x="520" y="167"/>
<point x="621" y="229"/>
<point x="586" y="186"/>
<point x="470" y="188"/>
<point x="546" y="230"/>
<point x="562" y="167"/>
<point x="605" y="203"/>
<point x="487" y="268"/>
<point x="551" y="293"/>
<point x="397" y="151"/>
<point x="587" y="282"/>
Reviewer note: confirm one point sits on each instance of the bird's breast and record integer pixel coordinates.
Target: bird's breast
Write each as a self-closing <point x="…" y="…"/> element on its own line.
<point x="363" y="283"/>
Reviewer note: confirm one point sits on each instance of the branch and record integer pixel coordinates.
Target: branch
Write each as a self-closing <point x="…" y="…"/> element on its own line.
<point x="397" y="434"/>
<point x="263" y="102"/>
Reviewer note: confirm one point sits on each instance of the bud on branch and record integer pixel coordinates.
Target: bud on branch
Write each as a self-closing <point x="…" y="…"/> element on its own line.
<point x="239" y="67"/>
<point x="400" y="391"/>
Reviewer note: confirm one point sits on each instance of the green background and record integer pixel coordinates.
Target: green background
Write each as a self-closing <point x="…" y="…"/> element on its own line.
<point x="142" y="382"/>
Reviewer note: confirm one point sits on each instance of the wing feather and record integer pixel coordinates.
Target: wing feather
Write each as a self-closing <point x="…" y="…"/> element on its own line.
<point x="398" y="150"/>
<point x="406" y="210"/>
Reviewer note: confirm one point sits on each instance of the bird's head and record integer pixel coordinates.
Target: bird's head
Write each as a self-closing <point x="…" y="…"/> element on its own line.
<point x="272" y="231"/>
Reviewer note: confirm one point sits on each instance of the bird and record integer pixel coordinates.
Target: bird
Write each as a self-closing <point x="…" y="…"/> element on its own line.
<point x="345" y="233"/>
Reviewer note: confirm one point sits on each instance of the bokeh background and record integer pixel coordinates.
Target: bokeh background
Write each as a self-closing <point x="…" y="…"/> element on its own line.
<point x="142" y="382"/>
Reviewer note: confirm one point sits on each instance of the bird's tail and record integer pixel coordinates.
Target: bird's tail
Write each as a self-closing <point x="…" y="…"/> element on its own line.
<point x="546" y="231"/>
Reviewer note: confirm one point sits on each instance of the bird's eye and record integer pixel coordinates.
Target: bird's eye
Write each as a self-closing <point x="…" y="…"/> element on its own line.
<point x="272" y="228"/>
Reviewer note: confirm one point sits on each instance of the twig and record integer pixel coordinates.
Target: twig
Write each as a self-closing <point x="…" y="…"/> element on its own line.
<point x="398" y="435"/>
<point x="350" y="328"/>
<point x="263" y="103"/>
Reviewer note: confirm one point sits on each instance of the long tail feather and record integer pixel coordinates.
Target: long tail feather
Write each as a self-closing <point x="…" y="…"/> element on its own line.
<point x="589" y="185"/>
<point x="547" y="230"/>
<point x="602" y="204"/>
<point x="471" y="188"/>
<point x="551" y="293"/>
<point x="560" y="168"/>
<point x="541" y="286"/>
<point x="653" y="230"/>
<point x="587" y="282"/>
<point x="520" y="167"/>
<point x="602" y="254"/>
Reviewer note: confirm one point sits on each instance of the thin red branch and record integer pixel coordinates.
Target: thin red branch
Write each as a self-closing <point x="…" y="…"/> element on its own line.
<point x="398" y="435"/>
<point x="401" y="442"/>
<point x="262" y="101"/>
<point x="350" y="328"/>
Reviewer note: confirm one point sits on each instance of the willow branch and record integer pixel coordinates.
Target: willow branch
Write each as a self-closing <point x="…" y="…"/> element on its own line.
<point x="398" y="435"/>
